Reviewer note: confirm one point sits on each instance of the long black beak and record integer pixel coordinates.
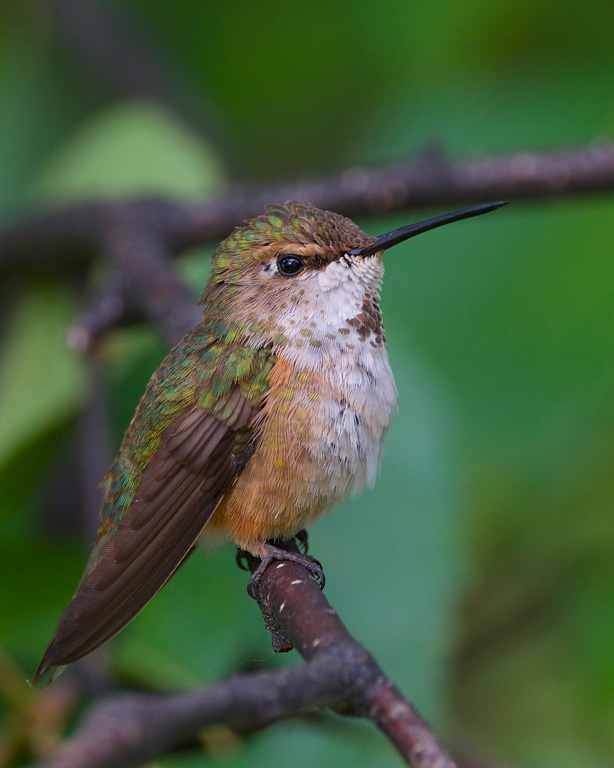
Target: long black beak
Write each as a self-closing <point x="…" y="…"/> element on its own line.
<point x="411" y="230"/>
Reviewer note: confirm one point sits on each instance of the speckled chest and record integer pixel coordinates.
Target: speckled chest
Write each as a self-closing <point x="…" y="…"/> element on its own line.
<point x="331" y="398"/>
<point x="343" y="392"/>
<point x="320" y="440"/>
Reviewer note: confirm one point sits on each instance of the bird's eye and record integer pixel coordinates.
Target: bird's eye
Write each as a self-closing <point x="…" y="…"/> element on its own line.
<point x="289" y="266"/>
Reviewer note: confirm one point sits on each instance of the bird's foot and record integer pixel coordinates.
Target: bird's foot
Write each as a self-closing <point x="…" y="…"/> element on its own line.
<point x="243" y="559"/>
<point x="293" y="550"/>
<point x="276" y="552"/>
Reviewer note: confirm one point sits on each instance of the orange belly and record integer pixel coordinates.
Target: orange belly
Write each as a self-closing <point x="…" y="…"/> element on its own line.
<point x="316" y="446"/>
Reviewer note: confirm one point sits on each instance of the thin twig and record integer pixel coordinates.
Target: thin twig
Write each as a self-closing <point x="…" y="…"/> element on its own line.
<point x="141" y="256"/>
<point x="315" y="630"/>
<point x="138" y="236"/>
<point x="141" y="284"/>
<point x="106" y="308"/>
<point x="338" y="674"/>
<point x="71" y="236"/>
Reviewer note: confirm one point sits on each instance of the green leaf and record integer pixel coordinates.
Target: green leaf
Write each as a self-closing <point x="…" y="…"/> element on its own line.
<point x="132" y="148"/>
<point x="41" y="381"/>
<point x="39" y="578"/>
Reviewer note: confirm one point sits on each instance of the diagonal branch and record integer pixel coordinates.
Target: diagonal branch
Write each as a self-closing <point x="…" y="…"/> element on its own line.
<point x="72" y="236"/>
<point x="138" y="236"/>
<point x="338" y="674"/>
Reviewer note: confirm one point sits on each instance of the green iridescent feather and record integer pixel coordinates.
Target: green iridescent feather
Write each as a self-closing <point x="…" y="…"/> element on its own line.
<point x="288" y="223"/>
<point x="213" y="358"/>
<point x="202" y="369"/>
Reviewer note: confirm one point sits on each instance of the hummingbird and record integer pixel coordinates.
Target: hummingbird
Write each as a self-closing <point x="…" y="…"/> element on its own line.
<point x="268" y="413"/>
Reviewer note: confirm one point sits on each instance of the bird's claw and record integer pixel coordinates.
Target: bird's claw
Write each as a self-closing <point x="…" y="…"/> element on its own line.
<point x="242" y="558"/>
<point x="277" y="553"/>
<point x="302" y="540"/>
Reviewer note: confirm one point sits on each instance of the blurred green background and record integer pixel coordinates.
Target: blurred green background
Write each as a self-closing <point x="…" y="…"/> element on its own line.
<point x="480" y="570"/>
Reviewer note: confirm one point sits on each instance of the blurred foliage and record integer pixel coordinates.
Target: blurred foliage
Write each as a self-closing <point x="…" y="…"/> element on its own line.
<point x="480" y="571"/>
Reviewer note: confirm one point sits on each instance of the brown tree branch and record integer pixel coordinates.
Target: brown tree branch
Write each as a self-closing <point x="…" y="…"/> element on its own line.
<point x="73" y="235"/>
<point x="106" y="308"/>
<point x="338" y="674"/>
<point x="151" y="283"/>
<point x="141" y="283"/>
<point x="316" y="631"/>
<point x="138" y="236"/>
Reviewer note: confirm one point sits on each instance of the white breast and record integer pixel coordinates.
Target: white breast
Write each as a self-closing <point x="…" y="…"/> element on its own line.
<point x="355" y="406"/>
<point x="355" y="416"/>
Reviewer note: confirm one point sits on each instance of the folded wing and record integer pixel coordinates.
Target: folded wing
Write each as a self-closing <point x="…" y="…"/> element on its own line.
<point x="196" y="462"/>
